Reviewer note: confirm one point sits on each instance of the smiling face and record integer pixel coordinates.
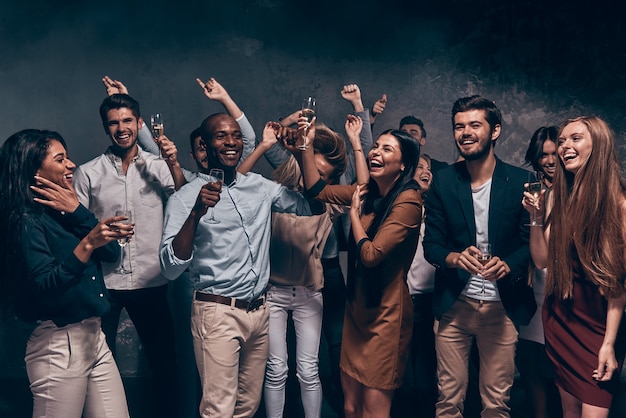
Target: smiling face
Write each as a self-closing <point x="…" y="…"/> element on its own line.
<point x="56" y="166"/>
<point x="423" y="175"/>
<point x="123" y="127"/>
<point x="575" y="146"/>
<point x="548" y="158"/>
<point x="385" y="160"/>
<point x="225" y="145"/>
<point x="199" y="154"/>
<point x="472" y="134"/>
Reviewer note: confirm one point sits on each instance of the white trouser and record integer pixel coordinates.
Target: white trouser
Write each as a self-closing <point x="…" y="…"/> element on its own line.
<point x="72" y="372"/>
<point x="306" y="307"/>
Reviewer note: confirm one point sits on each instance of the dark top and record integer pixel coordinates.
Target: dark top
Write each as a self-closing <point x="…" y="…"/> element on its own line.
<point x="436" y="165"/>
<point x="56" y="285"/>
<point x="450" y="226"/>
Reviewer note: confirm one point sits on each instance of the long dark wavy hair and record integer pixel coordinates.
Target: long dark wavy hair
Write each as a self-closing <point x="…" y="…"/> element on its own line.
<point x="21" y="156"/>
<point x="381" y="206"/>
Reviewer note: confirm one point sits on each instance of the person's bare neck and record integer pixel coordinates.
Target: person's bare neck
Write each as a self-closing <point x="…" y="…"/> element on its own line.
<point x="481" y="170"/>
<point x="127" y="155"/>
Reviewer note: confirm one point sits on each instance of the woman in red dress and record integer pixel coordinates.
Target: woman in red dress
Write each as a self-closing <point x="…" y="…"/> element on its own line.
<point x="584" y="250"/>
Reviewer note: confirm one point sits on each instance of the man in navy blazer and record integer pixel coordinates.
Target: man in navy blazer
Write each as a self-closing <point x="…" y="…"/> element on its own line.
<point x="473" y="203"/>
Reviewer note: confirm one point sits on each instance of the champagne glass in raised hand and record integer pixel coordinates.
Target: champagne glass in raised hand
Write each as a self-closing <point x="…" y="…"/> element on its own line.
<point x="218" y="176"/>
<point x="308" y="110"/>
<point x="157" y="129"/>
<point x="535" y="185"/>
<point x="123" y="241"/>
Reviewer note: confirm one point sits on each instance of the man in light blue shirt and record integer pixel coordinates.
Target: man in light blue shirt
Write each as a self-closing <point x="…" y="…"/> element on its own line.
<point x="228" y="264"/>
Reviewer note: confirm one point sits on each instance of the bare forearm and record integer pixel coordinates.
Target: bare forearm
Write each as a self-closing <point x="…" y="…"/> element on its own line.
<point x="309" y="171"/>
<point x="248" y="164"/>
<point x="358" y="232"/>
<point x="613" y="318"/>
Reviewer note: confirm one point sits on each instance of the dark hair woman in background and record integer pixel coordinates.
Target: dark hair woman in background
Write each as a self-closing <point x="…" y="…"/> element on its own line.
<point x="535" y="369"/>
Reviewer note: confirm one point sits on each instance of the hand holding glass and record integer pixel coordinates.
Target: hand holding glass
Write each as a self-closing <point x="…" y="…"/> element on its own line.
<point x="308" y="110"/>
<point x="218" y="175"/>
<point x="534" y="187"/>
<point x="122" y="242"/>
<point x="157" y="129"/>
<point x="483" y="258"/>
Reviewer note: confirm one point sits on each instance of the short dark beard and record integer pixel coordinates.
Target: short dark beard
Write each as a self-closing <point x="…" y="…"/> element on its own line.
<point x="481" y="153"/>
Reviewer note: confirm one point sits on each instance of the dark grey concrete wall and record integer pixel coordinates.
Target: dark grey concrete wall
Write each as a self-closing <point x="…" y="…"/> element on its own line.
<point x="540" y="61"/>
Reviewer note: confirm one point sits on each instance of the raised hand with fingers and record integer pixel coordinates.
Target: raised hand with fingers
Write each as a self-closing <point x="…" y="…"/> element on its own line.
<point x="213" y="90"/>
<point x="169" y="152"/>
<point x="351" y="93"/>
<point x="272" y="132"/>
<point x="379" y="105"/>
<point x="354" y="125"/>
<point x="114" y="86"/>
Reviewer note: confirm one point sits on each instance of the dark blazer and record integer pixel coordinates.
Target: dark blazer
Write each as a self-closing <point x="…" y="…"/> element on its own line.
<point x="450" y="227"/>
<point x="436" y="165"/>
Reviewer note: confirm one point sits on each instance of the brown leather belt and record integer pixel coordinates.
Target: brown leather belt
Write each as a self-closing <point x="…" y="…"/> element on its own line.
<point x="237" y="303"/>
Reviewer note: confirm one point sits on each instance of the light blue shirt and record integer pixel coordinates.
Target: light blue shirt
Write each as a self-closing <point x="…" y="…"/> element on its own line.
<point x="229" y="258"/>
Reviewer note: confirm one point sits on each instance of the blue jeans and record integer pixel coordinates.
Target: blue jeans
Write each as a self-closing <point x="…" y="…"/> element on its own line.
<point x="306" y="305"/>
<point x="72" y="372"/>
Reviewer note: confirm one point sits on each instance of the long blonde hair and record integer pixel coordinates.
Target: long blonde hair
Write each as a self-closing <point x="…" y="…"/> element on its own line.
<point x="588" y="221"/>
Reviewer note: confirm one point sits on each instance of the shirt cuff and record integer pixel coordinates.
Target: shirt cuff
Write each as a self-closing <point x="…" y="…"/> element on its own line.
<point x="317" y="188"/>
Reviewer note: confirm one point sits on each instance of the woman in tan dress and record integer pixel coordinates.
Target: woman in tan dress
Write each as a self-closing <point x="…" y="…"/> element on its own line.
<point x="386" y="216"/>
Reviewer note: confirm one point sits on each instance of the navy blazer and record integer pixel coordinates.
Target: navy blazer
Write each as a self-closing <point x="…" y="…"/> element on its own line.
<point x="450" y="227"/>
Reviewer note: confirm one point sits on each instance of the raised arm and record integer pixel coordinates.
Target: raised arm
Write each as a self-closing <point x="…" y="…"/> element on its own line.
<point x="539" y="237"/>
<point x="215" y="91"/>
<point x="352" y="93"/>
<point x="354" y="126"/>
<point x="306" y="158"/>
<point x="277" y="154"/>
<point x="270" y="138"/>
<point x="378" y="108"/>
<point x="170" y="155"/>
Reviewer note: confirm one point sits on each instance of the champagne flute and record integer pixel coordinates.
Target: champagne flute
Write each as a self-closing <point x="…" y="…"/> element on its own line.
<point x="483" y="258"/>
<point x="535" y="185"/>
<point x="157" y="129"/>
<point x="308" y="110"/>
<point x="218" y="175"/>
<point x="123" y="241"/>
